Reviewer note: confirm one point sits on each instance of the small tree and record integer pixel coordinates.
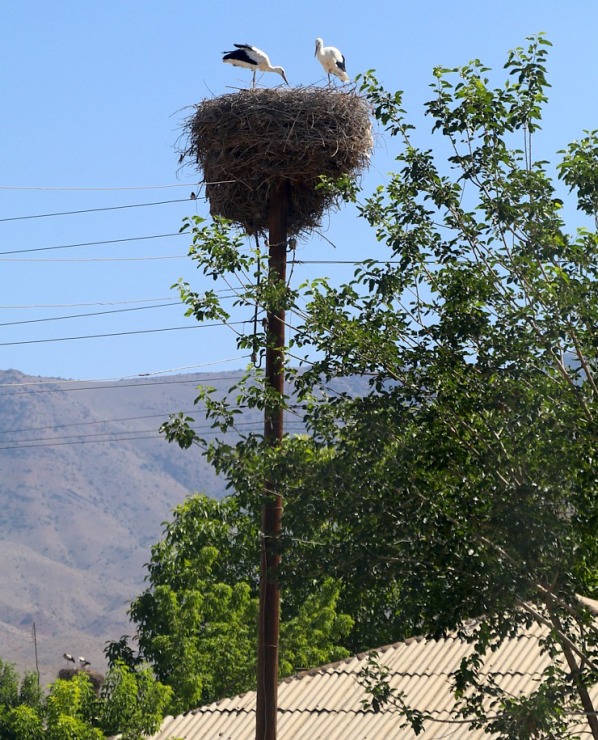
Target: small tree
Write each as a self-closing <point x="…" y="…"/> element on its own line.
<point x="70" y="709"/>
<point x="22" y="723"/>
<point x="196" y="621"/>
<point x="21" y="705"/>
<point x="132" y="703"/>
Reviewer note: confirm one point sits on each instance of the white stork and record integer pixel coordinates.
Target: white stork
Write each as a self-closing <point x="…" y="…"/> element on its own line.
<point x="332" y="60"/>
<point x="84" y="663"/>
<point x="250" y="57"/>
<point x="68" y="657"/>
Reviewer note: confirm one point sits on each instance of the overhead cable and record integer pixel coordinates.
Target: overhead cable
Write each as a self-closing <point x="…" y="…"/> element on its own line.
<point x="106" y="385"/>
<point x="118" y="334"/>
<point x="87" y="315"/>
<point x="92" y="244"/>
<point x="94" y="189"/>
<point x="93" y="210"/>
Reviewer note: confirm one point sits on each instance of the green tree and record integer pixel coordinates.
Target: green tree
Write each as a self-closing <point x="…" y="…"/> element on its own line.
<point x="9" y="686"/>
<point x="30" y="692"/>
<point x="21" y="704"/>
<point x="196" y="622"/>
<point x="70" y="709"/>
<point x="479" y="437"/>
<point x="22" y="723"/>
<point x="132" y="703"/>
<point x="316" y="635"/>
<point x="463" y="481"/>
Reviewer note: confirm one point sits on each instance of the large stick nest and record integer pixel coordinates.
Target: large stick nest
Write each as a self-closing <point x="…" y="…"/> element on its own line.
<point x="96" y="679"/>
<point x="250" y="142"/>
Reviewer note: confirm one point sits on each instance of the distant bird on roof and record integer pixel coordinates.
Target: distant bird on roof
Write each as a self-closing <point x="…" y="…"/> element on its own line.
<point x="68" y="657"/>
<point x="83" y="663"/>
<point x="332" y="60"/>
<point x="250" y="57"/>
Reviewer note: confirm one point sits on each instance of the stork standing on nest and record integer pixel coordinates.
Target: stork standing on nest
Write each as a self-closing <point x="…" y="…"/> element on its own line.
<point x="332" y="60"/>
<point x="68" y="657"/>
<point x="250" y="57"/>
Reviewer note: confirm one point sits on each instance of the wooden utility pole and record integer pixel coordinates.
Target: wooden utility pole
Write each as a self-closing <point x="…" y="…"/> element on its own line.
<point x="269" y="614"/>
<point x="34" y="635"/>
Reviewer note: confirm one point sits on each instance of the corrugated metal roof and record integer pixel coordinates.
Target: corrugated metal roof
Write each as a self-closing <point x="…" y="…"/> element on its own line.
<point x="325" y="703"/>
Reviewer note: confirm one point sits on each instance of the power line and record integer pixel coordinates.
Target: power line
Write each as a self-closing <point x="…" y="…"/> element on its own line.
<point x="237" y="358"/>
<point x="348" y="262"/>
<point x="183" y="233"/>
<point x="95" y="210"/>
<point x="162" y="257"/>
<point x="86" y="423"/>
<point x="87" y="315"/>
<point x="128" y="377"/>
<point x="82" y="305"/>
<point x="120" y="420"/>
<point x="102" y="437"/>
<point x="117" y="384"/>
<point x="76" y="442"/>
<point x="93" y="435"/>
<point x="95" y="259"/>
<point x="118" y="334"/>
<point x="95" y="189"/>
<point x="225" y="293"/>
<point x="94" y="244"/>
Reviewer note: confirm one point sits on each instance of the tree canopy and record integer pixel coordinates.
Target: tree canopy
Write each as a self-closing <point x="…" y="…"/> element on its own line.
<point x="196" y="621"/>
<point x="131" y="703"/>
<point x="461" y="484"/>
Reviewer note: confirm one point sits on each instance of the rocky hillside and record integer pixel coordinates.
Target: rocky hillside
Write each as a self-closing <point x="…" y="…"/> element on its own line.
<point x="86" y="482"/>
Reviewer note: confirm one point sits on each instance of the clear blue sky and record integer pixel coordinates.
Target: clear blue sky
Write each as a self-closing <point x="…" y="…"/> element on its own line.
<point x="93" y="98"/>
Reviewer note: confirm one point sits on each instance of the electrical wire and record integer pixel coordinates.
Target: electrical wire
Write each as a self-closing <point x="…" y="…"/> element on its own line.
<point x="224" y="293"/>
<point x="105" y="385"/>
<point x="348" y="262"/>
<point x="81" y="305"/>
<point x="119" y="334"/>
<point x="54" y="427"/>
<point x="97" y="189"/>
<point x="32" y="260"/>
<point x="92" y="435"/>
<point x="131" y="377"/>
<point x="237" y="358"/>
<point x="93" y="244"/>
<point x="146" y="434"/>
<point x="88" y="315"/>
<point x="95" y="210"/>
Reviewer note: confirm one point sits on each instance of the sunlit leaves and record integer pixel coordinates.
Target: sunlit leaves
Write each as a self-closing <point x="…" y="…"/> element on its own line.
<point x="457" y="478"/>
<point x="579" y="170"/>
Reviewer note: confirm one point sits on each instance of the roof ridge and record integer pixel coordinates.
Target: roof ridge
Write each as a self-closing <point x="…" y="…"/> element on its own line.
<point x="357" y="656"/>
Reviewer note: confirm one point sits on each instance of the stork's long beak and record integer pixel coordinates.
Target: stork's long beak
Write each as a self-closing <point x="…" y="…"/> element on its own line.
<point x="284" y="77"/>
<point x="316" y="51"/>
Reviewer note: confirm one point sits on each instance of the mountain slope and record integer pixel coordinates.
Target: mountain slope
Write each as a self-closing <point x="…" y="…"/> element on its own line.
<point x="85" y="484"/>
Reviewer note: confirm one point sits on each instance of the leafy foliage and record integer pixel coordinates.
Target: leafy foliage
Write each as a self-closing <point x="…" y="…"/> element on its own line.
<point x="463" y="483"/>
<point x="316" y="634"/>
<point x="130" y="703"/>
<point x="374" y="677"/>
<point x="196" y="622"/>
<point x="70" y="709"/>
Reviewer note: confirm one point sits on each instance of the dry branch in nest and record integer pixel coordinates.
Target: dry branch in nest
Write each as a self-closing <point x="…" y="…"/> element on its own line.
<point x="96" y="679"/>
<point x="249" y="142"/>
